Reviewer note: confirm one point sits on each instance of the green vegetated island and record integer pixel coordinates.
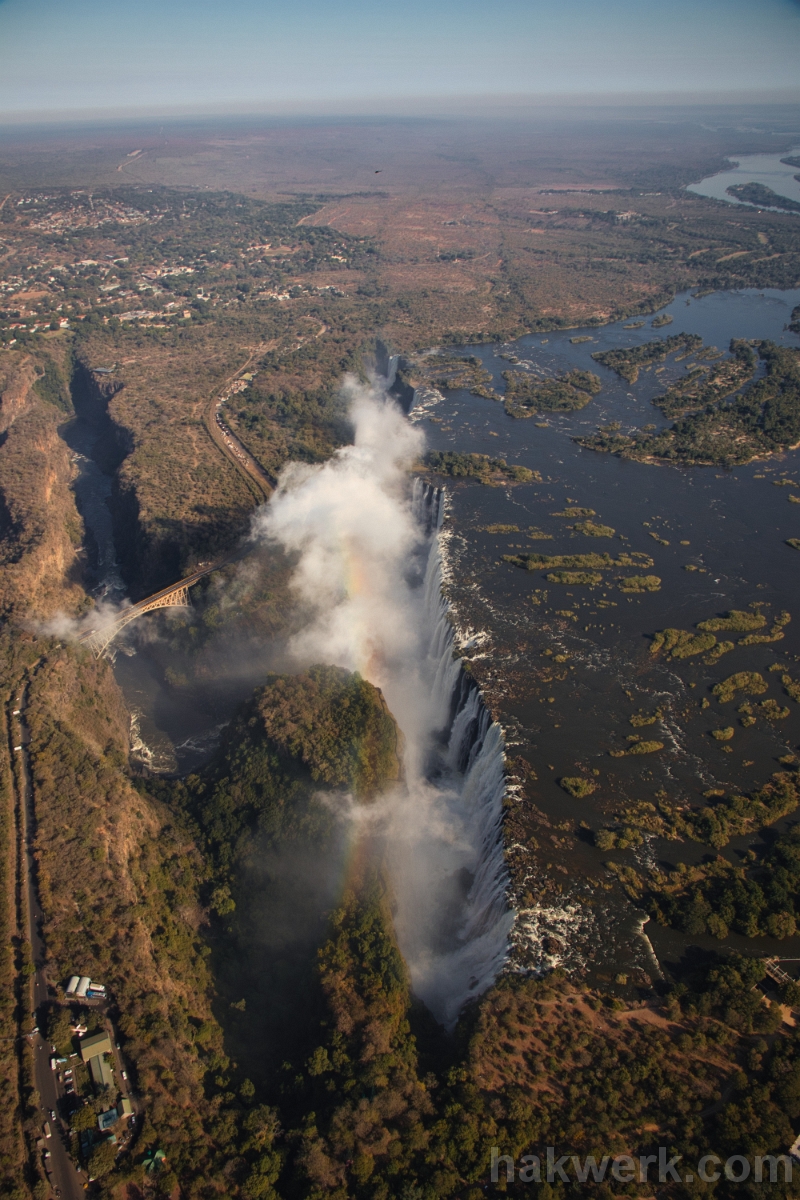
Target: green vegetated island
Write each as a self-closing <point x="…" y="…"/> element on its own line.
<point x="588" y="569"/>
<point x="348" y="1092"/>
<point x="758" y="896"/>
<point x="527" y="394"/>
<point x="724" y="419"/>
<point x="763" y="196"/>
<point x="445" y="370"/>
<point x="491" y="471"/>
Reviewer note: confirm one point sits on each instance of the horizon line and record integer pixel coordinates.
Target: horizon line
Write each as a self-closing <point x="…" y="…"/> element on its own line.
<point x="443" y="105"/>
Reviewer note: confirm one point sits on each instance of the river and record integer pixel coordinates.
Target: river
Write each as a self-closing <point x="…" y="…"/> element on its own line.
<point x="565" y="668"/>
<point x="766" y="169"/>
<point x="560" y="720"/>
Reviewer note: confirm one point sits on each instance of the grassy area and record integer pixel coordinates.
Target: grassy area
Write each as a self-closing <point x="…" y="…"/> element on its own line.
<point x="118" y="883"/>
<point x="266" y="1071"/>
<point x="14" y="983"/>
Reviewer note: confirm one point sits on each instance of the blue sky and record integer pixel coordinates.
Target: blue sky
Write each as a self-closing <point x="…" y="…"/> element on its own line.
<point x="112" y="55"/>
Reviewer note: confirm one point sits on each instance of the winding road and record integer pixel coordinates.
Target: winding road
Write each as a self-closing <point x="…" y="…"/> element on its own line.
<point x="226" y="440"/>
<point x="223" y="436"/>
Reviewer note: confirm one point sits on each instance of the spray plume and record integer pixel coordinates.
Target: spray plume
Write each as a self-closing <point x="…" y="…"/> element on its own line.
<point x="368" y="579"/>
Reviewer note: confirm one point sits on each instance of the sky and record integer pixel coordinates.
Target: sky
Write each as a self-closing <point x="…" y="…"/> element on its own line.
<point x="95" y="56"/>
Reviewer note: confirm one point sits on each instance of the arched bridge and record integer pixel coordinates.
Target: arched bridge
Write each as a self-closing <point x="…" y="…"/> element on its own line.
<point x="174" y="596"/>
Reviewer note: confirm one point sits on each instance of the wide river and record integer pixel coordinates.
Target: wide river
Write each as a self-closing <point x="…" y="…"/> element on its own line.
<point x="753" y="168"/>
<point x="566" y="667"/>
<point x="730" y="527"/>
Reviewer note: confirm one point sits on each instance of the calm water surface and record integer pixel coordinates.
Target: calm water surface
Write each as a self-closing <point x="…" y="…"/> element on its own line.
<point x="753" y="168"/>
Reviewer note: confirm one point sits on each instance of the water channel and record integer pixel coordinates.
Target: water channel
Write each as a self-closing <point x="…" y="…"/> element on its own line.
<point x="730" y="527"/>
<point x="766" y="169"/>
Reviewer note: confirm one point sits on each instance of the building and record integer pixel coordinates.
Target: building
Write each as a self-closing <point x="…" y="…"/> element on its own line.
<point x="100" y="1072"/>
<point x="93" y="1051"/>
<point x="107" y="1119"/>
<point x="125" y="1108"/>
<point x="83" y="985"/>
<point x="97" y="1044"/>
<point x="73" y="983"/>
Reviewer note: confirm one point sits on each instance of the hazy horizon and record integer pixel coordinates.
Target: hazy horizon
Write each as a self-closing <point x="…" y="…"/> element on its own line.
<point x="511" y="106"/>
<point x="91" y="59"/>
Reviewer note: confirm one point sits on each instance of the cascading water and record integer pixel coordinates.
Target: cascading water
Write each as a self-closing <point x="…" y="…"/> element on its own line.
<point x="370" y="576"/>
<point x="456" y="947"/>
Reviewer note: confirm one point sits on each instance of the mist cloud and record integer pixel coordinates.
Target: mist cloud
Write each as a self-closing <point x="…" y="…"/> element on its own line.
<point x="350" y="522"/>
<point x="368" y="580"/>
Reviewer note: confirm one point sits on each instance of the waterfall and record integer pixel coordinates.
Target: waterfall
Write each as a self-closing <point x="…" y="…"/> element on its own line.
<point x="370" y="571"/>
<point x="455" y="950"/>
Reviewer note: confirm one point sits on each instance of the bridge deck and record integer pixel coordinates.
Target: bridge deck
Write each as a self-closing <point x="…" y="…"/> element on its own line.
<point x="100" y="638"/>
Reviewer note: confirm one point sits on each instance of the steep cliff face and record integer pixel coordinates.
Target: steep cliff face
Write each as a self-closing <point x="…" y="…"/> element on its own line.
<point x="40" y="529"/>
<point x="17" y="375"/>
<point x="175" y="499"/>
<point x="91" y="395"/>
<point x="118" y="883"/>
<point x="402" y="388"/>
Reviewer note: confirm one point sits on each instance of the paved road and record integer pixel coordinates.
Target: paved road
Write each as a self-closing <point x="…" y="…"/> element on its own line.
<point x="62" y="1172"/>
<point x="230" y="445"/>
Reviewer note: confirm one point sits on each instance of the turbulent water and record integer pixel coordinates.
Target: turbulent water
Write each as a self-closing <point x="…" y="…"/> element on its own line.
<point x="450" y="878"/>
<point x="369" y="578"/>
<point x="567" y="667"/>
<point x="372" y="556"/>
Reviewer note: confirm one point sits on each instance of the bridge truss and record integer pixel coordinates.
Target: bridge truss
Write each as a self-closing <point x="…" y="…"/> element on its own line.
<point x="98" y="640"/>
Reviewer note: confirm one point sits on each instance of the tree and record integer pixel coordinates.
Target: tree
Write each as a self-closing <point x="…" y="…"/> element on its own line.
<point x="84" y="1118"/>
<point x="58" y="1028"/>
<point x="102" y="1160"/>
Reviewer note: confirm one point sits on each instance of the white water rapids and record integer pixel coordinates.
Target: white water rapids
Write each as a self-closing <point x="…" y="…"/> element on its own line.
<point x="369" y="578"/>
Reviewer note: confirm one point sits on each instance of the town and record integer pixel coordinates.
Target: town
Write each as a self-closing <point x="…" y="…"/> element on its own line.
<point x="88" y="1111"/>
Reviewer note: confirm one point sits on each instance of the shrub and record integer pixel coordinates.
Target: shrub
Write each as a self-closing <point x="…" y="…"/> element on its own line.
<point x="749" y="682"/>
<point x="577" y="786"/>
